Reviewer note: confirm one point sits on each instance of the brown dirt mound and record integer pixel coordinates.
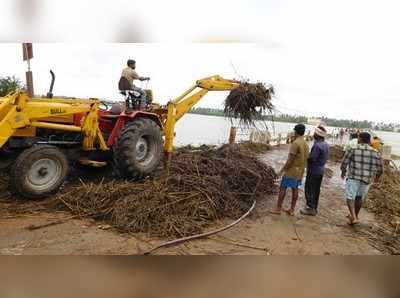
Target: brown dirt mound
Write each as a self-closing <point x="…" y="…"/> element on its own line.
<point x="201" y="186"/>
<point x="336" y="153"/>
<point x="249" y="102"/>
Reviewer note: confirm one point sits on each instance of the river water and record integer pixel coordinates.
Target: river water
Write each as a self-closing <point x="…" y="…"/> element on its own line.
<point x="201" y="129"/>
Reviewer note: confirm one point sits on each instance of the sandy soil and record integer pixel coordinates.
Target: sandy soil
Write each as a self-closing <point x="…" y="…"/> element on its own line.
<point x="261" y="234"/>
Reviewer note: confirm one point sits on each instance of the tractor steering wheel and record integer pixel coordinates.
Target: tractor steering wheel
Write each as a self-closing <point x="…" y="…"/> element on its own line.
<point x="106" y="105"/>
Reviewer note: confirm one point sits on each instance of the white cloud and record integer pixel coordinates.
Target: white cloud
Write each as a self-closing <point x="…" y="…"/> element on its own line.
<point x="334" y="58"/>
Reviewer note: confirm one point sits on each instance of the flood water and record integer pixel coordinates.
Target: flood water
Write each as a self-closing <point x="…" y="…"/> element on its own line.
<point x="201" y="129"/>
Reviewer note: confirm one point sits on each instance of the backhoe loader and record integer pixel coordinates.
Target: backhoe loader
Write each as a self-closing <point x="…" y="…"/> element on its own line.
<point x="42" y="136"/>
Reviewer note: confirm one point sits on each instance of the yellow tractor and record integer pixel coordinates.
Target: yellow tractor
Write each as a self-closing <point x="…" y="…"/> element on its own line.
<point x="41" y="136"/>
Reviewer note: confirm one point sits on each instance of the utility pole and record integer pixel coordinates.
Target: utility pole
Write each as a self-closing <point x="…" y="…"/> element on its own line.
<point x="27" y="52"/>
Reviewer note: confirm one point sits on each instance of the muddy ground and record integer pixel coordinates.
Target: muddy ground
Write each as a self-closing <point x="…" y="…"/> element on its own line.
<point x="260" y="234"/>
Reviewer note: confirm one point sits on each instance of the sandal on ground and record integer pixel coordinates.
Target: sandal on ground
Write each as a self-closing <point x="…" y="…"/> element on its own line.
<point x="276" y="212"/>
<point x="353" y="222"/>
<point x="290" y="212"/>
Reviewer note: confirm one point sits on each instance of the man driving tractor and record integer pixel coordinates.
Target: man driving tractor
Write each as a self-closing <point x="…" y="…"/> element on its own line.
<point x="127" y="87"/>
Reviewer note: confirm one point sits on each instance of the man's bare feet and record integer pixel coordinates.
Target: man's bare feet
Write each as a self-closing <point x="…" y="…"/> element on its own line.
<point x="290" y="212"/>
<point x="352" y="221"/>
<point x="275" y="211"/>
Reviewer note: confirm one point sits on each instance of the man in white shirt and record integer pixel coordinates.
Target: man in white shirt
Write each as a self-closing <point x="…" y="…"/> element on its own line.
<point x="352" y="143"/>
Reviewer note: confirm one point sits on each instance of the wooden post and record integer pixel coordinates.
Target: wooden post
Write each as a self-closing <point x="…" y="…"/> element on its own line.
<point x="386" y="153"/>
<point x="268" y="137"/>
<point x="29" y="83"/>
<point x="232" y="135"/>
<point x="251" y="138"/>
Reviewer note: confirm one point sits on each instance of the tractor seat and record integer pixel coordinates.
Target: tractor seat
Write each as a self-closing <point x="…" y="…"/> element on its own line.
<point x="132" y="93"/>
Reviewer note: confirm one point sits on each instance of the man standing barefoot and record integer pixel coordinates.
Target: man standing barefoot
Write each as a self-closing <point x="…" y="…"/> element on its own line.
<point x="364" y="166"/>
<point x="293" y="170"/>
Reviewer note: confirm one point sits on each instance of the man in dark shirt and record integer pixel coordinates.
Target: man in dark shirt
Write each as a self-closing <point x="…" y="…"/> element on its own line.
<point x="315" y="171"/>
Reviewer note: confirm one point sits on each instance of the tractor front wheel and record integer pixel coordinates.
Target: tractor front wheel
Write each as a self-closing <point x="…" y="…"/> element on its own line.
<point x="138" y="150"/>
<point x="38" y="172"/>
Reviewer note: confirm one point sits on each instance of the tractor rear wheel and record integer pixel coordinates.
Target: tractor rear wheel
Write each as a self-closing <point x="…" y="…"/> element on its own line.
<point x="138" y="149"/>
<point x="38" y="172"/>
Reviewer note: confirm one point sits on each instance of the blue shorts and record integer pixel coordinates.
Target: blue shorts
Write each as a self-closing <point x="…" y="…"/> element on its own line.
<point x="288" y="182"/>
<point x="355" y="188"/>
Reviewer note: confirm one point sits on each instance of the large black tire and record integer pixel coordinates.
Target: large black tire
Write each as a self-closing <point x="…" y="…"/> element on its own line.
<point x="38" y="172"/>
<point x="138" y="149"/>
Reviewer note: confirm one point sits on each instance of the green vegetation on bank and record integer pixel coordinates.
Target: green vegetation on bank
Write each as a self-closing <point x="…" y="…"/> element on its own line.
<point x="303" y="119"/>
<point x="9" y="84"/>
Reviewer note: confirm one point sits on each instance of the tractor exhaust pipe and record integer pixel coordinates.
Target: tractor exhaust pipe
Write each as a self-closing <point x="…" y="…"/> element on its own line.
<point x="53" y="78"/>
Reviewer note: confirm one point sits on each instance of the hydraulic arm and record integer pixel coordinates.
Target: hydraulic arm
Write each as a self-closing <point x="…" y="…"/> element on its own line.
<point x="179" y="106"/>
<point x="20" y="115"/>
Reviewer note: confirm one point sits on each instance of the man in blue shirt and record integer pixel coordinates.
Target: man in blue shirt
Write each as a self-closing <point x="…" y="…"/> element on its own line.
<point x="315" y="171"/>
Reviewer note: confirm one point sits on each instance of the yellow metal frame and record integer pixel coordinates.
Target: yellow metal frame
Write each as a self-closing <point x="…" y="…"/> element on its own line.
<point x="21" y="115"/>
<point x="179" y="106"/>
<point x="19" y="111"/>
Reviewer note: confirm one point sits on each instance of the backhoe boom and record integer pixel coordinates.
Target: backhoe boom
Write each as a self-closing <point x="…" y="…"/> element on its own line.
<point x="179" y="106"/>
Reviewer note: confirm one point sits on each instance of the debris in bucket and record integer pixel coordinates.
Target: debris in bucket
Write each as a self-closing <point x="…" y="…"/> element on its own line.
<point x="336" y="153"/>
<point x="249" y="102"/>
<point x="200" y="186"/>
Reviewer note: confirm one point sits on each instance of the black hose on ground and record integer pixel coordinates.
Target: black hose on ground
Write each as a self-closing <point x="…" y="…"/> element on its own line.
<point x="176" y="241"/>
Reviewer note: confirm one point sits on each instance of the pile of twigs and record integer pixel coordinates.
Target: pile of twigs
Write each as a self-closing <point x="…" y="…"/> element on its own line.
<point x="200" y="186"/>
<point x="384" y="198"/>
<point x="336" y="153"/>
<point x="249" y="102"/>
<point x="383" y="238"/>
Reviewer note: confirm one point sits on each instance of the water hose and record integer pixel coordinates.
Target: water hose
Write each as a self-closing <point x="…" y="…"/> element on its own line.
<point x="184" y="239"/>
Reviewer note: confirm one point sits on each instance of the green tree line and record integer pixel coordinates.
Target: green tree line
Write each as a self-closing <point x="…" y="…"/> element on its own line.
<point x="303" y="119"/>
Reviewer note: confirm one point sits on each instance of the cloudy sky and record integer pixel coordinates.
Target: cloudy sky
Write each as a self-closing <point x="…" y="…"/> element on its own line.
<point x="333" y="58"/>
